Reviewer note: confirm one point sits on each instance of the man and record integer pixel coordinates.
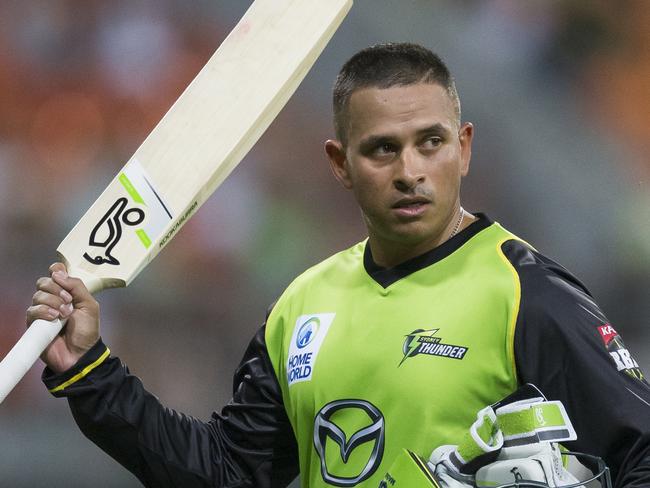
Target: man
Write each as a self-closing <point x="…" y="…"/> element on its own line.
<point x="394" y="343"/>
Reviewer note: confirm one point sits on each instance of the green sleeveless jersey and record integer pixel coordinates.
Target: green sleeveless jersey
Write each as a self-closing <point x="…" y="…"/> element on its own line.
<point x="369" y="367"/>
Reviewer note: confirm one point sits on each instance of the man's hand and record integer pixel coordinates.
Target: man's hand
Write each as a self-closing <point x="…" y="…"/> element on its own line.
<point x="61" y="297"/>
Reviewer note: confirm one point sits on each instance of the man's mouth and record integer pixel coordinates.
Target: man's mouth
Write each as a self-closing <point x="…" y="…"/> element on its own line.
<point x="410" y="207"/>
<point x="411" y="202"/>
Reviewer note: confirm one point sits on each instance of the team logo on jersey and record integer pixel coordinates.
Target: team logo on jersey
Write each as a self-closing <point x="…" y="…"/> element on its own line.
<point x="306" y="341"/>
<point x="422" y="341"/>
<point x="346" y="468"/>
<point x="619" y="353"/>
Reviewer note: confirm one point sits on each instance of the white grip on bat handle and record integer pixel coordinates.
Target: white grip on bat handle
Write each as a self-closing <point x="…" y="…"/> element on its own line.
<point x="25" y="353"/>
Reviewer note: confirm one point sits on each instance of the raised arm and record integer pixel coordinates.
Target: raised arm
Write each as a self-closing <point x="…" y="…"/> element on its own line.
<point x="250" y="443"/>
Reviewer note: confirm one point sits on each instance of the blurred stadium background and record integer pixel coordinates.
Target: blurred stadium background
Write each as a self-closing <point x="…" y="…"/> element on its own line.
<point x="558" y="92"/>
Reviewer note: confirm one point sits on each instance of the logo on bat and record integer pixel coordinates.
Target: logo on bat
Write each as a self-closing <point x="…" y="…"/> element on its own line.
<point x="108" y="231"/>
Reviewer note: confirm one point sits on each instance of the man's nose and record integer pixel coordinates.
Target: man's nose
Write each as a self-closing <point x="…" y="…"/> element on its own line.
<point x="409" y="170"/>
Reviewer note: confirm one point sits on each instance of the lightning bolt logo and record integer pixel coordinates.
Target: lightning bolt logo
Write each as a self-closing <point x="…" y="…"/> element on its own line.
<point x="412" y="342"/>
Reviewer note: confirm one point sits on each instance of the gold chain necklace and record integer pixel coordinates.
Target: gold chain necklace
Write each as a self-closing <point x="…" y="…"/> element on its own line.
<point x="457" y="226"/>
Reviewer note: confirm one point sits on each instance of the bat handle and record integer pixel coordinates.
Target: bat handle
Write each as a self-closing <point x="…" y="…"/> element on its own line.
<point x="25" y="353"/>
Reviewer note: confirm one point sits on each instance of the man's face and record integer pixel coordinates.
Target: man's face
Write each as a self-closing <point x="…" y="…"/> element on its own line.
<point x="404" y="160"/>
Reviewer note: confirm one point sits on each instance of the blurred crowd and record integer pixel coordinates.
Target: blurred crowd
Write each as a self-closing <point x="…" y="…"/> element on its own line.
<point x="558" y="92"/>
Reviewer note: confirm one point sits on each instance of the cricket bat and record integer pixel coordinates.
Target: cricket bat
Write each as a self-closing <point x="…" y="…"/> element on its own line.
<point x="200" y="140"/>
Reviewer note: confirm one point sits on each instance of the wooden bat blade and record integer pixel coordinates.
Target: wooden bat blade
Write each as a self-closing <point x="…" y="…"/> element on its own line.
<point x="205" y="134"/>
<point x="209" y="129"/>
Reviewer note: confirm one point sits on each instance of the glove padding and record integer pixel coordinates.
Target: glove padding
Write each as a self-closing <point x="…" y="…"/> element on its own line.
<point x="540" y="463"/>
<point x="479" y="446"/>
<point x="513" y="444"/>
<point x="447" y="475"/>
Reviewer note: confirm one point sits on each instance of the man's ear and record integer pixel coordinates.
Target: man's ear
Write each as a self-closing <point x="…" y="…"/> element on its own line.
<point x="338" y="162"/>
<point x="465" y="136"/>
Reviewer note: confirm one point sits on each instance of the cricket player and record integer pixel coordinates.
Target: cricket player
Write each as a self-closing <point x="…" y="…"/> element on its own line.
<point x="396" y="342"/>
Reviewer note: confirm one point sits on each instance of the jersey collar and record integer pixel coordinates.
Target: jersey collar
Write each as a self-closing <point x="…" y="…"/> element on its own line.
<point x="387" y="276"/>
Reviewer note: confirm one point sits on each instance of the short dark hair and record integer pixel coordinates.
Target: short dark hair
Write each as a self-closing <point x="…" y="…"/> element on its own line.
<point x="385" y="66"/>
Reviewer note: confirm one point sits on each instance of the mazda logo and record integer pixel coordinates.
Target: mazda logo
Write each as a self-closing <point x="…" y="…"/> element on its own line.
<point x="375" y="432"/>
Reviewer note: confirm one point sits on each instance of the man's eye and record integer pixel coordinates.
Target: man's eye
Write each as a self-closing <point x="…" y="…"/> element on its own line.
<point x="385" y="148"/>
<point x="432" y="142"/>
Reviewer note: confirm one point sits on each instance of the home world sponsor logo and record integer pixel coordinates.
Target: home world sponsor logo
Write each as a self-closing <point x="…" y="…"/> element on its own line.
<point x="425" y="342"/>
<point x="619" y="353"/>
<point x="307" y="332"/>
<point x="306" y="341"/>
<point x="349" y="437"/>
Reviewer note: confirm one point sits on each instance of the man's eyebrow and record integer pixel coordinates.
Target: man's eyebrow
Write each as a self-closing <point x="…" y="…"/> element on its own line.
<point x="437" y="128"/>
<point x="375" y="141"/>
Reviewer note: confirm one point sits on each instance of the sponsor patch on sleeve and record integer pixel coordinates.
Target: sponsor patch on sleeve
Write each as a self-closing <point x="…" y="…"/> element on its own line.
<point x="620" y="354"/>
<point x="607" y="333"/>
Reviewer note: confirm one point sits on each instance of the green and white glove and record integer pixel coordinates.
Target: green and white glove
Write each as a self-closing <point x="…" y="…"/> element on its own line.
<point x="513" y="443"/>
<point x="455" y="465"/>
<point x="532" y="429"/>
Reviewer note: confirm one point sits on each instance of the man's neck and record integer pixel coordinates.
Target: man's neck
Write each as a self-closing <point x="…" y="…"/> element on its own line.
<point x="395" y="253"/>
